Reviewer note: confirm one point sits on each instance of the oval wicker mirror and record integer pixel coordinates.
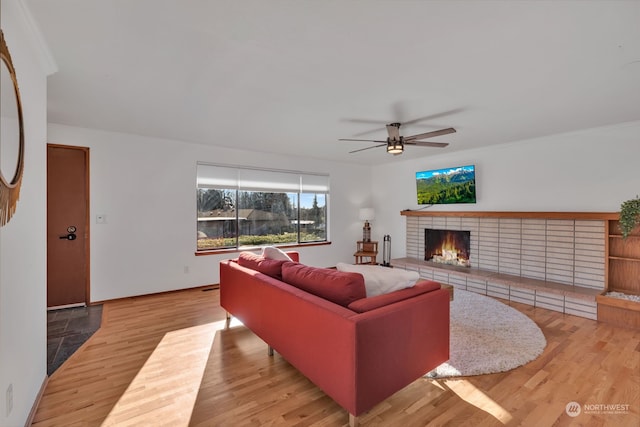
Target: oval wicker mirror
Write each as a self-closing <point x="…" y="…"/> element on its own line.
<point x="11" y="136"/>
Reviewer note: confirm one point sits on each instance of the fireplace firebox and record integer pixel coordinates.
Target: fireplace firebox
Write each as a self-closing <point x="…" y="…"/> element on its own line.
<point x="447" y="247"/>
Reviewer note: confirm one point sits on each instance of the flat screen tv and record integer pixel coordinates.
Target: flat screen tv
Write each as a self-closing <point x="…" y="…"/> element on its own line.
<point x="446" y="186"/>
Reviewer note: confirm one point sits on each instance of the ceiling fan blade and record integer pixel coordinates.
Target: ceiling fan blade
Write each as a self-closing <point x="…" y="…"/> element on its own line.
<point x="427" y="144"/>
<point x="398" y="115"/>
<point x="362" y="140"/>
<point x="365" y="121"/>
<point x="429" y="134"/>
<point x="433" y="116"/>
<point x="368" y="148"/>
<point x="368" y="122"/>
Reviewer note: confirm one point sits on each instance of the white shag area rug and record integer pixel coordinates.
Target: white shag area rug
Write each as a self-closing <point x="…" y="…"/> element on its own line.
<point x="488" y="336"/>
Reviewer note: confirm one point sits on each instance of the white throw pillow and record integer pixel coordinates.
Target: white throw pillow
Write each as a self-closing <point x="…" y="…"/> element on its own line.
<point x="271" y="252"/>
<point x="381" y="280"/>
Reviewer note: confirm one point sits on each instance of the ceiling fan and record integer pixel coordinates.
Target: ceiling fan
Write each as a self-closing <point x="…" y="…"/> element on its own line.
<point x="395" y="142"/>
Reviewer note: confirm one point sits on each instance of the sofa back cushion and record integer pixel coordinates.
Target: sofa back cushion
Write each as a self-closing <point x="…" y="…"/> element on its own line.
<point x="270" y="267"/>
<point x="371" y="303"/>
<point x="336" y="286"/>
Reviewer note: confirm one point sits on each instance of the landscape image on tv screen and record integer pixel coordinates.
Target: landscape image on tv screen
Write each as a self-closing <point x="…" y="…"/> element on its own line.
<point x="445" y="186"/>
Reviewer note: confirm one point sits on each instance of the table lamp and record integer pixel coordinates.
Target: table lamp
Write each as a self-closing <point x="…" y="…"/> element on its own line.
<point x="366" y="214"/>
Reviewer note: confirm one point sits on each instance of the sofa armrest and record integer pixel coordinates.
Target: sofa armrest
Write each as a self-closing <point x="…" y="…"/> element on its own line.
<point x="398" y="343"/>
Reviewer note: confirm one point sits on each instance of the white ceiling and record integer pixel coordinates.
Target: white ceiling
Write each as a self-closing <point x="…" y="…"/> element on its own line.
<point x="294" y="76"/>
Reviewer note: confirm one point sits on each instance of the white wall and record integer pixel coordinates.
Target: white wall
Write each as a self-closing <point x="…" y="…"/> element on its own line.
<point x="146" y="189"/>
<point x="23" y="356"/>
<point x="593" y="170"/>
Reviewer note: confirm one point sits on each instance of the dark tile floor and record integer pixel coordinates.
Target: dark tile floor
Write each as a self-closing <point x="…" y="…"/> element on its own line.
<point x="67" y="330"/>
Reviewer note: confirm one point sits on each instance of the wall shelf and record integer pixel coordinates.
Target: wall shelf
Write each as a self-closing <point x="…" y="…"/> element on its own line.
<point x="625" y="258"/>
<point x="623" y="267"/>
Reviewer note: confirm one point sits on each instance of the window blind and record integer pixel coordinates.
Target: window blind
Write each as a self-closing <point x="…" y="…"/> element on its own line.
<point x="250" y="179"/>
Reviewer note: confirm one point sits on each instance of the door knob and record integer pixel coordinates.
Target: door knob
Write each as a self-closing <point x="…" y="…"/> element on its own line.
<point x="70" y="236"/>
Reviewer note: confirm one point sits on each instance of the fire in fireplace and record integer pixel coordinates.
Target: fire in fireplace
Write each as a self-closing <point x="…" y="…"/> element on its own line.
<point x="447" y="246"/>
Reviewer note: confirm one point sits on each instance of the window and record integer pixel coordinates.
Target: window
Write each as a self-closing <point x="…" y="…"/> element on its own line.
<point x="244" y="207"/>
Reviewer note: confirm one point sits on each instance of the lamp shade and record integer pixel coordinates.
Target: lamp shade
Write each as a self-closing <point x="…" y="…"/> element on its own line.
<point x="367" y="214"/>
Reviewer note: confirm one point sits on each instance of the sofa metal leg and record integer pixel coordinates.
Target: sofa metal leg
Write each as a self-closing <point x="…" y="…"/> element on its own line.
<point x="353" y="420"/>
<point x="270" y="351"/>
<point x="227" y="322"/>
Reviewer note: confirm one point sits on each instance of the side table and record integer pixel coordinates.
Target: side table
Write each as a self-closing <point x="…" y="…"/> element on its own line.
<point x="366" y="252"/>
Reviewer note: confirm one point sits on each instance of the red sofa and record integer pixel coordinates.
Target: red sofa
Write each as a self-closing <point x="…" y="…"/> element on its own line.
<point x="358" y="350"/>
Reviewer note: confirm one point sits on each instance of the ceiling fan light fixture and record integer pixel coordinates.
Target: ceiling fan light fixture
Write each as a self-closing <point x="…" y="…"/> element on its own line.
<point x="395" y="146"/>
<point x="395" y="142"/>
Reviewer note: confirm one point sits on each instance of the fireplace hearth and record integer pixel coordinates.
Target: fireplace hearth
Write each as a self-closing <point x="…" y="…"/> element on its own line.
<point x="450" y="247"/>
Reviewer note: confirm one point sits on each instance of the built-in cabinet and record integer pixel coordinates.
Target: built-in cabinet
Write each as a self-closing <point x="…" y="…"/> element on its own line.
<point x="623" y="275"/>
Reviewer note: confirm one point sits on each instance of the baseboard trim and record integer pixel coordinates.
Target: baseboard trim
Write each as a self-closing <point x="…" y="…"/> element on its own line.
<point x="195" y="288"/>
<point x="36" y="403"/>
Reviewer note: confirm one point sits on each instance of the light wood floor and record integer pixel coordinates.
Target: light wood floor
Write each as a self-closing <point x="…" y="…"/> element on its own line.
<point x="166" y="360"/>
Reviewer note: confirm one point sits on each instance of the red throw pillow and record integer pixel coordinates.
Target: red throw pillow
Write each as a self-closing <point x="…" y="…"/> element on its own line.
<point x="336" y="286"/>
<point x="371" y="303"/>
<point x="270" y="267"/>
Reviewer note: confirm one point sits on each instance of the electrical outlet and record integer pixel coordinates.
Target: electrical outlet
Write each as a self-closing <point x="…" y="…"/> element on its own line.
<point x="9" y="399"/>
<point x="186" y="269"/>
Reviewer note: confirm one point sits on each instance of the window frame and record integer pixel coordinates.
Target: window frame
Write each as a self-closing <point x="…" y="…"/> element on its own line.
<point x="238" y="179"/>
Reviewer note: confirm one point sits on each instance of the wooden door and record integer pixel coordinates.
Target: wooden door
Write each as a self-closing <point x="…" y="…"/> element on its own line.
<point x="67" y="226"/>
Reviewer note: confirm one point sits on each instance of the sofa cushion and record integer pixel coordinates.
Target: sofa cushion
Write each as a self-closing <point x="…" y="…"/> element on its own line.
<point x="270" y="267"/>
<point x="271" y="252"/>
<point x="371" y="303"/>
<point x="336" y="286"/>
<point x="382" y="280"/>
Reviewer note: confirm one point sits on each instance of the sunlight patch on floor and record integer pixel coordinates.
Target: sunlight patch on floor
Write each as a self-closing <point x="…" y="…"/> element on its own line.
<point x="235" y="322"/>
<point x="169" y="379"/>
<point x="474" y="396"/>
<point x="437" y="384"/>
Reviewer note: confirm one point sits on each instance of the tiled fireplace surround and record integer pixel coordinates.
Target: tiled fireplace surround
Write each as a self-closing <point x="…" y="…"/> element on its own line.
<point x="557" y="264"/>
